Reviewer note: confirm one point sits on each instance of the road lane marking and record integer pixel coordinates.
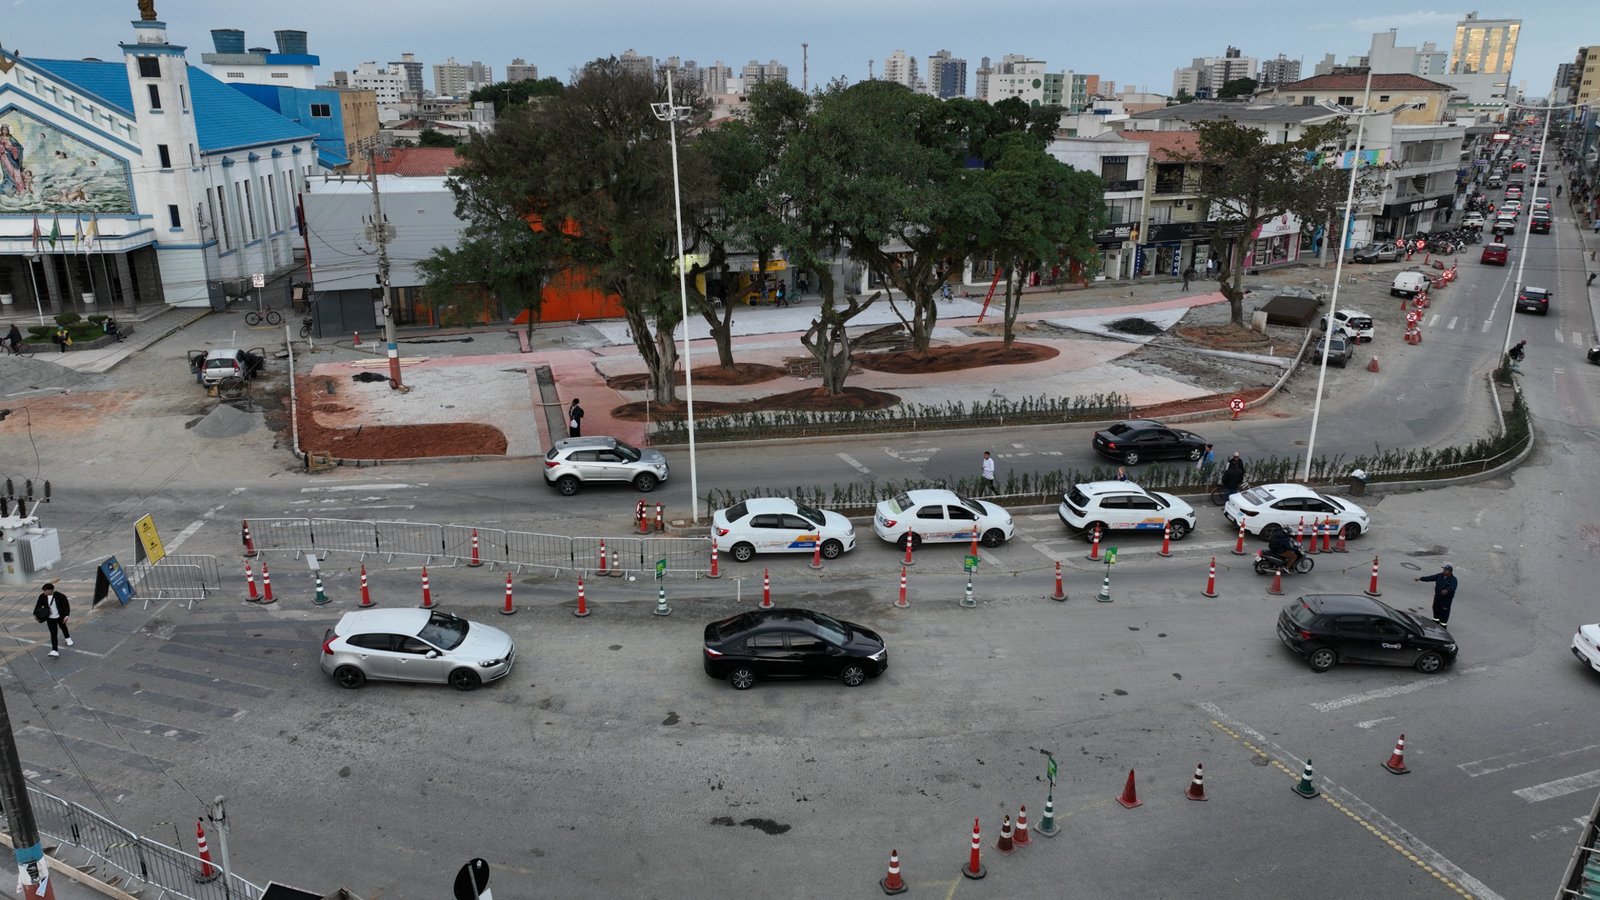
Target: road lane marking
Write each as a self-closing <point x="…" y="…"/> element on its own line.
<point x="851" y="462"/>
<point x="334" y="488"/>
<point x="1577" y="337"/>
<point x="1433" y="320"/>
<point x="1486" y="323"/>
<point x="1560" y="787"/>
<point x="1379" y="694"/>
<point x="1362" y="813"/>
<point x="1559" y="338"/>
<point x="1490" y="765"/>
<point x="1452" y="325"/>
<point x="1374" y="722"/>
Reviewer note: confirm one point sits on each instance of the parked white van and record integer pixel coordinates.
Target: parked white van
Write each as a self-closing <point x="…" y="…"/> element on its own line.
<point x="1409" y="283"/>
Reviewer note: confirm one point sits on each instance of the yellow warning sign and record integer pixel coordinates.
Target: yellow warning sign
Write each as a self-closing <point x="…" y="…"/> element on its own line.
<point x="149" y="540"/>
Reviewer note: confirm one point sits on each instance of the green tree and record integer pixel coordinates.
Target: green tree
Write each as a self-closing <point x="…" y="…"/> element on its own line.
<point x="507" y="94"/>
<point x="500" y="265"/>
<point x="432" y="138"/>
<point x="1237" y="87"/>
<point x="1180" y="98"/>
<point x="1246" y="179"/>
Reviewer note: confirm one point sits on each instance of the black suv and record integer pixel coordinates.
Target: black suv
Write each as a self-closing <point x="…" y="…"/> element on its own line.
<point x="1540" y="224"/>
<point x="1534" y="299"/>
<point x="792" y="643"/>
<point x="1136" y="440"/>
<point x="1334" y="628"/>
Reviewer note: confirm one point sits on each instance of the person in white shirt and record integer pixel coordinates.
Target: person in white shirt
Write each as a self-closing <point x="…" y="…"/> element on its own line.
<point x="987" y="485"/>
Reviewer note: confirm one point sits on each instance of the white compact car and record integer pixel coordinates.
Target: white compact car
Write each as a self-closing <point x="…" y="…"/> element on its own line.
<point x="415" y="645"/>
<point x="1586" y="645"/>
<point x="940" y="516"/>
<point x="780" y="525"/>
<point x="1123" y="506"/>
<point x="1354" y="322"/>
<point x="1266" y="508"/>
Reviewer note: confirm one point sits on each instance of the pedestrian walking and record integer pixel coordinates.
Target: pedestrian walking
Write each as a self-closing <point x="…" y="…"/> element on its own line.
<point x="575" y="419"/>
<point x="782" y="294"/>
<point x="987" y="485"/>
<point x="1206" y="460"/>
<point x="1444" y="592"/>
<point x="52" y="610"/>
<point x="1188" y="273"/>
<point x="1233" y="476"/>
<point x="802" y="283"/>
<point x="14" y="338"/>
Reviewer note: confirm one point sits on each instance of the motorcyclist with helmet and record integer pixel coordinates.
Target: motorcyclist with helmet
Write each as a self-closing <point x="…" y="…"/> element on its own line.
<point x="1284" y="547"/>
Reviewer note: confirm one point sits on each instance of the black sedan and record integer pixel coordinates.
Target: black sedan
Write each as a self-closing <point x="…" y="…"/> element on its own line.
<point x="1327" y="629"/>
<point x="792" y="643"/>
<point x="1137" y="440"/>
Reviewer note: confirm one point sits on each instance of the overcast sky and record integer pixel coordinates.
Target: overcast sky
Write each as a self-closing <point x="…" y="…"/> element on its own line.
<point x="1133" y="44"/>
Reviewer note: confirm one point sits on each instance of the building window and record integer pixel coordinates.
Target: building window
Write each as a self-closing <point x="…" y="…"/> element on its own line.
<point x="321" y="111"/>
<point x="1114" y="168"/>
<point x="272" y="198"/>
<point x="222" y="217"/>
<point x="1345" y="101"/>
<point x="149" y="67"/>
<point x="1383" y="98"/>
<point x="155" y="97"/>
<point x="183" y="97"/>
<point x="172" y="216"/>
<point x="250" y="210"/>
<point x="165" y="154"/>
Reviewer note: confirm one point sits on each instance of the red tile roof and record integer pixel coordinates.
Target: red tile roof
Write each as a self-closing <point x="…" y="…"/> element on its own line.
<point x="1168" y="146"/>
<point x="417" y="161"/>
<point x="1355" y="81"/>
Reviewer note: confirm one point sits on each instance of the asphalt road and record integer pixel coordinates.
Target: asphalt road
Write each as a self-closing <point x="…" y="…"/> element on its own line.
<point x="608" y="764"/>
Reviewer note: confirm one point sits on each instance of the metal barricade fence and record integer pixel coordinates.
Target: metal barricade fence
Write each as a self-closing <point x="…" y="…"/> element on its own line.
<point x="491" y="543"/>
<point x="681" y="554"/>
<point x="144" y="862"/>
<point x="542" y="551"/>
<point x="343" y="536"/>
<point x="176" y="577"/>
<point x="409" y="539"/>
<point x="282" y="535"/>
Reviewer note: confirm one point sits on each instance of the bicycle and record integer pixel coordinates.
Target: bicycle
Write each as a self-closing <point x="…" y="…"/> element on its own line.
<point x="1220" y="494"/>
<point x="22" y="349"/>
<point x="305" y="327"/>
<point x="271" y="317"/>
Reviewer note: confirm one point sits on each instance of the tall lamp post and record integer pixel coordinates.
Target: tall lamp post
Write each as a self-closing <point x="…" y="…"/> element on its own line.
<point x="670" y="114"/>
<point x="1338" y="266"/>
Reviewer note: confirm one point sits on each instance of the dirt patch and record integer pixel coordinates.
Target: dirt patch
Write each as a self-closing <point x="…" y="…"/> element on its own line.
<point x="1211" y="403"/>
<point x="813" y="399"/>
<point x="62" y="414"/>
<point x="1233" y="337"/>
<point x="391" y="441"/>
<point x="741" y="373"/>
<point x="1135" y="325"/>
<point x="955" y="358"/>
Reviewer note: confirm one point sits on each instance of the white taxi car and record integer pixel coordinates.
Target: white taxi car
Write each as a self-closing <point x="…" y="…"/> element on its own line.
<point x="940" y="516"/>
<point x="1123" y="506"/>
<point x="1586" y="645"/>
<point x="780" y="525"/>
<point x="1266" y="508"/>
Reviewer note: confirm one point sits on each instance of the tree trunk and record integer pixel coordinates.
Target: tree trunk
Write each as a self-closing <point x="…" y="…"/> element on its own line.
<point x="827" y="339"/>
<point x="650" y="346"/>
<point x="1231" y="280"/>
<point x="1013" y="305"/>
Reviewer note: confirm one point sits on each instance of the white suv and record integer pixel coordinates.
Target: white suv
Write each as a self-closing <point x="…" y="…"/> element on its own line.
<point x="573" y="462"/>
<point x="1123" y="506"/>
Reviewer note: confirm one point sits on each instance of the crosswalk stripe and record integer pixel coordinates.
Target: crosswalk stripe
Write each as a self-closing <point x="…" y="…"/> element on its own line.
<point x="1433" y="320"/>
<point x="1486" y="323"/>
<point x="1452" y="325"/>
<point x="1560" y="787"/>
<point x="1559" y="338"/>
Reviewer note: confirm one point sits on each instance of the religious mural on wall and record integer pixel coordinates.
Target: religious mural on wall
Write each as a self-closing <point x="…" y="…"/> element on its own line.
<point x="43" y="169"/>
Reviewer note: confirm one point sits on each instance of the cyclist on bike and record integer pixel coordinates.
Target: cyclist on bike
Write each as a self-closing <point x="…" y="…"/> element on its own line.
<point x="14" y="338"/>
<point x="1233" y="476"/>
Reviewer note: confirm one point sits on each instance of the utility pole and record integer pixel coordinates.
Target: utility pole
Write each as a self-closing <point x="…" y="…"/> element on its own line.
<point x="33" y="874"/>
<point x="805" y="66"/>
<point x="379" y="231"/>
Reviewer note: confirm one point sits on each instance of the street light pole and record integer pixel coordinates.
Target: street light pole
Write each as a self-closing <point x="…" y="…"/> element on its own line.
<point x="669" y="113"/>
<point x="33" y="875"/>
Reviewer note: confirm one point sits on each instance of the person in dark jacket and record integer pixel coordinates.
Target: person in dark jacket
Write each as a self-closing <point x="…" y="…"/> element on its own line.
<point x="575" y="420"/>
<point x="1233" y="476"/>
<point x="1285" y="547"/>
<point x="52" y="609"/>
<point x="1444" y="592"/>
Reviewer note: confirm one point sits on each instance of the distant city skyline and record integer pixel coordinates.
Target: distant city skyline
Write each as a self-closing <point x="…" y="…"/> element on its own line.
<point x="1138" y="53"/>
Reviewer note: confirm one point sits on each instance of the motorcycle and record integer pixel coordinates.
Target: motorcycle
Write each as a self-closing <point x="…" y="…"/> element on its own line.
<point x="1594" y="355"/>
<point x="1269" y="563"/>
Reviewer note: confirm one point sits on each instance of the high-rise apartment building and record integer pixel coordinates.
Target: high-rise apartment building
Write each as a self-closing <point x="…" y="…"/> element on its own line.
<point x="1583" y="86"/>
<point x="1206" y="75"/>
<point x="1481" y="58"/>
<point x="519" y="70"/>
<point x="1020" y="77"/>
<point x="453" y="79"/>
<point x="387" y="83"/>
<point x="408" y="64"/>
<point x="1279" y="71"/>
<point x="1385" y="57"/>
<point x="715" y="77"/>
<point x="755" y="73"/>
<point x="900" y="69"/>
<point x="947" y="75"/>
<point x="1231" y="66"/>
<point x="635" y="64"/>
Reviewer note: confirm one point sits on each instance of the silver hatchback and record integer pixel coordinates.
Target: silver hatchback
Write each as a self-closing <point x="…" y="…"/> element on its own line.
<point x="574" y="462"/>
<point x="415" y="645"/>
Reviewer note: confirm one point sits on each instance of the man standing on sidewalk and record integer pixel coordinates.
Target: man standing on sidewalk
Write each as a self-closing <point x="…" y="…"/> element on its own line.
<point x="1444" y="593"/>
<point x="575" y="420"/>
<point x="987" y="484"/>
<point x="52" y="610"/>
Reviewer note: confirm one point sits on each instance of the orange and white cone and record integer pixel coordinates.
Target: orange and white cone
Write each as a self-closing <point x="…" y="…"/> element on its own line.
<point x="974" y="867"/>
<point x="1277" y="582"/>
<point x="1238" y="548"/>
<point x="1372" y="589"/>
<point x="509" y="608"/>
<point x="816" y="553"/>
<point x="602" y="569"/>
<point x="427" y="593"/>
<point x="1197" y="787"/>
<point x="766" y="589"/>
<point x="1005" y="846"/>
<point x="208" y="872"/>
<point x="908" y="540"/>
<point x="1094" y="547"/>
<point x="714" y="573"/>
<point x="1211" y="580"/>
<point x="1397" y="759"/>
<point x="266" y="584"/>
<point x="892" y="883"/>
<point x="1166" y="540"/>
<point x="475" y="561"/>
<point x="902" y="602"/>
<point x="366" y="594"/>
<point x="250" y="577"/>
<point x="249" y="545"/>
<point x="1020" y="837"/>
<point x="583" y="605"/>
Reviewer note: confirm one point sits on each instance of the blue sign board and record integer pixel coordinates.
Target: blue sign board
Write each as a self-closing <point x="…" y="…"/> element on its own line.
<point x="113" y="577"/>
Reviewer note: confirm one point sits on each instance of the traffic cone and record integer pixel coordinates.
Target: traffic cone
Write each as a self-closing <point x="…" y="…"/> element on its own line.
<point x="644" y="518"/>
<point x="1021" y="837"/>
<point x="1305" y="788"/>
<point x="974" y="867"/>
<point x="616" y="570"/>
<point x="322" y="596"/>
<point x="966" y="598"/>
<point x="366" y="596"/>
<point x="1130" y="797"/>
<point x="266" y="585"/>
<point x="661" y="524"/>
<point x="604" y="571"/>
<point x="249" y="544"/>
<point x="508" y="609"/>
<point x="662" y="609"/>
<point x="1372" y="364"/>
<point x="909" y="539"/>
<point x="1238" y="548"/>
<point x="1311" y="543"/>
<point x="207" y="872"/>
<point x="1197" y="787"/>
<point x="1327" y="541"/>
<point x="582" y="611"/>
<point x="891" y="883"/>
<point x="1005" y="846"/>
<point x="714" y="573"/>
<point x="816" y="553"/>
<point x="250" y="579"/>
<point x="1105" y="588"/>
<point x="1277" y="582"/>
<point x="1338" y="544"/>
<point x="1060" y="594"/>
<point x="1211" y="580"/>
<point x="474" y="562"/>
<point x="973" y="550"/>
<point x="1047" y="825"/>
<point x="427" y="594"/>
<point x="1372" y="589"/>
<point x="1397" y="759"/>
<point x="1094" y="548"/>
<point x="1166" y="540"/>
<point x="766" y="590"/>
<point x="902" y="602"/>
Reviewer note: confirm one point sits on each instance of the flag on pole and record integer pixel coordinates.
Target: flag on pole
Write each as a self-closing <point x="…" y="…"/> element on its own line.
<point x="55" y="230"/>
<point x="1050" y="769"/>
<point x="77" y="237"/>
<point x="37" y="234"/>
<point x="94" y="229"/>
